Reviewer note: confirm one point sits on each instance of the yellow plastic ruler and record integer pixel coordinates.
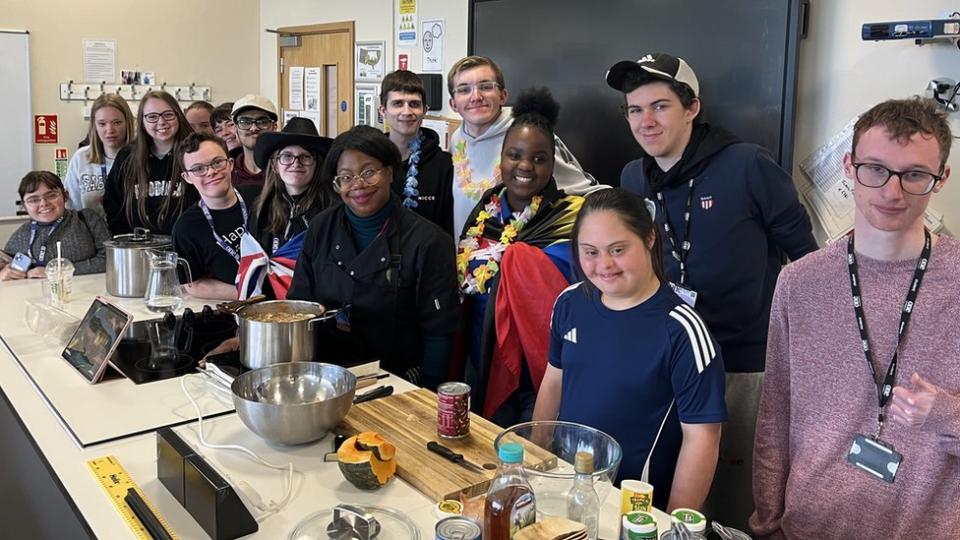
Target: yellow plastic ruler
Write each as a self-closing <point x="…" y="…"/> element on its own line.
<point x="115" y="482"/>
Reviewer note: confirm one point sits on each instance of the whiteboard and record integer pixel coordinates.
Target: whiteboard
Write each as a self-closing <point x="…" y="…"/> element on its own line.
<point x="16" y="129"/>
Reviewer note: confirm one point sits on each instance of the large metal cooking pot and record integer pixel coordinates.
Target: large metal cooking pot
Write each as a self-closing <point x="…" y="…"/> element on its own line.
<point x="279" y="331"/>
<point x="128" y="265"/>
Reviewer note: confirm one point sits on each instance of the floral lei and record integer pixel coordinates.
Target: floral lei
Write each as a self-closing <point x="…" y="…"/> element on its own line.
<point x="476" y="282"/>
<point x="464" y="174"/>
<point x="410" y="191"/>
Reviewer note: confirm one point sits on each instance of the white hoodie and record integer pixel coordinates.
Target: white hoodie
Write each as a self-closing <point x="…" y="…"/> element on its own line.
<point x="476" y="168"/>
<point x="84" y="181"/>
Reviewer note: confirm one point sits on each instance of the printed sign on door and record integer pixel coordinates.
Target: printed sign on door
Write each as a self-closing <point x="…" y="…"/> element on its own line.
<point x="45" y="128"/>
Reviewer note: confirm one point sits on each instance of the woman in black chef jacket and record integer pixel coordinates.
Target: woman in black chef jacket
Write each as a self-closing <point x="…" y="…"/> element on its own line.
<point x="390" y="271"/>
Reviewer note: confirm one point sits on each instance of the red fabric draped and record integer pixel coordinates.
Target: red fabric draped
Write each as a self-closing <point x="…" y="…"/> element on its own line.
<point x="529" y="285"/>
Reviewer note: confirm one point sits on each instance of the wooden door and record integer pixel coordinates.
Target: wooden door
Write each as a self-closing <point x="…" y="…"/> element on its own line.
<point x="330" y="48"/>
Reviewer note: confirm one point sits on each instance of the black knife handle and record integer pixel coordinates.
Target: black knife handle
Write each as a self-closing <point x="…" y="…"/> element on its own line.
<point x="438" y="448"/>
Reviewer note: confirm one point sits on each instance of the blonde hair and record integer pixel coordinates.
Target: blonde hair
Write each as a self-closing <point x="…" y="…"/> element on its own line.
<point x="97" y="152"/>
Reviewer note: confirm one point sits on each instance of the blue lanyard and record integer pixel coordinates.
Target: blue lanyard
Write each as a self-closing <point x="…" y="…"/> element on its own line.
<point x="219" y="239"/>
<point x="34" y="227"/>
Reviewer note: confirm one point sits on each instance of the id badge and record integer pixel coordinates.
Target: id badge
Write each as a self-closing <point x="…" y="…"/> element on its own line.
<point x="874" y="457"/>
<point x="688" y="295"/>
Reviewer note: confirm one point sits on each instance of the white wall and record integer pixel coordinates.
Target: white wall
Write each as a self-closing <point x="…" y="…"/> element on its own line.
<point x="374" y="22"/>
<point x="841" y="75"/>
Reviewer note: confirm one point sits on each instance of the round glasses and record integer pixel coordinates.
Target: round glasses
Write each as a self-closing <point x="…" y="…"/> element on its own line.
<point x="368" y="177"/>
<point x="216" y="165"/>
<point x="912" y="182"/>
<point x="48" y="197"/>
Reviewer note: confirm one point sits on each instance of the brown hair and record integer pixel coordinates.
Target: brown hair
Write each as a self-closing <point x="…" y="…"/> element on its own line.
<point x="319" y="194"/>
<point x="135" y="169"/>
<point x="471" y="62"/>
<point x="97" y="153"/>
<point x="222" y="113"/>
<point x="403" y="81"/>
<point x="192" y="143"/>
<point x="34" y="179"/>
<point x="200" y="104"/>
<point x="903" y="118"/>
<point x="633" y="211"/>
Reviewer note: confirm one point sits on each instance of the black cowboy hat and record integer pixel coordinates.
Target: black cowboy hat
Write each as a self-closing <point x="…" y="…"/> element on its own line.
<point x="297" y="132"/>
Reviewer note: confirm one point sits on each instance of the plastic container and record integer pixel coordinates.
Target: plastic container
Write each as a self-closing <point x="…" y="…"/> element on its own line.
<point x="511" y="504"/>
<point x="59" y="281"/>
<point x="638" y="526"/>
<point x="583" y="505"/>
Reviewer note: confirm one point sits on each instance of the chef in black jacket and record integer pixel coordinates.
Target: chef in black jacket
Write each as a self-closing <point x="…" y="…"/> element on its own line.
<point x="390" y="271"/>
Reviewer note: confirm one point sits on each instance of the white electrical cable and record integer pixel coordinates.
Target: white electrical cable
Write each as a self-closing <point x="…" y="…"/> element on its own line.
<point x="272" y="507"/>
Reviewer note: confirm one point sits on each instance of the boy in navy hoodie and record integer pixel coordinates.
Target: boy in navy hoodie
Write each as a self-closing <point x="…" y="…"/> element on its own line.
<point x="730" y="216"/>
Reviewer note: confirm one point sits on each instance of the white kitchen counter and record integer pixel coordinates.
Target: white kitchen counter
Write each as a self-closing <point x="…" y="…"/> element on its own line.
<point x="318" y="486"/>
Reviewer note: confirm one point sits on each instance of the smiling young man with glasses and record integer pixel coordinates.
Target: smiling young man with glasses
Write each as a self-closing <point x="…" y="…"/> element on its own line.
<point x="207" y="235"/>
<point x="859" y="428"/>
<point x="478" y="93"/>
<point x="252" y="115"/>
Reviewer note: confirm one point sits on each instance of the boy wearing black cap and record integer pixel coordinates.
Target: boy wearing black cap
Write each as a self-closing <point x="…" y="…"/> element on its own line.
<point x="730" y="215"/>
<point x="426" y="181"/>
<point x="252" y="115"/>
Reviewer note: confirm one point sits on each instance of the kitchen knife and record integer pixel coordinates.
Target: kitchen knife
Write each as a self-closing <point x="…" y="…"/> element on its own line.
<point x="378" y="392"/>
<point x="449" y="454"/>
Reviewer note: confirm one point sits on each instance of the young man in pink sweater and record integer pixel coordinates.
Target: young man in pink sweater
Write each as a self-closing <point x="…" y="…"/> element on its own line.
<point x="857" y="435"/>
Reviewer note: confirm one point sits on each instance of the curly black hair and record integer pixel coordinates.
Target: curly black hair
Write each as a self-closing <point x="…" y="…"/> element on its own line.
<point x="536" y="107"/>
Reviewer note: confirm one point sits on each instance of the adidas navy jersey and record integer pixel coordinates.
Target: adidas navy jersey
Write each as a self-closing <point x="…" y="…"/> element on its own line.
<point x="637" y="374"/>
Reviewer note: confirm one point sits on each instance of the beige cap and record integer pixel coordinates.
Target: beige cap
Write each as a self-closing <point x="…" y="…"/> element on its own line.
<point x="251" y="101"/>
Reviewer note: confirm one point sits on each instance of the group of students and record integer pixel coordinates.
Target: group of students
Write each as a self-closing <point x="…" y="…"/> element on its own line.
<point x="642" y="311"/>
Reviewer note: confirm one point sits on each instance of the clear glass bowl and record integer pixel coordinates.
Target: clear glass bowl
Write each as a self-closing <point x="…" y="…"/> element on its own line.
<point x="563" y="440"/>
<point x="394" y="525"/>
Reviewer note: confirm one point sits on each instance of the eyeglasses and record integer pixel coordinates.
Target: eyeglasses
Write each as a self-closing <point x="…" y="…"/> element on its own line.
<point x="217" y="165"/>
<point x="246" y="123"/>
<point x="222" y="126"/>
<point x="912" y="182"/>
<point x="287" y="158"/>
<point x="48" y="197"/>
<point x="484" y="87"/>
<point x="153" y="118"/>
<point x="368" y="178"/>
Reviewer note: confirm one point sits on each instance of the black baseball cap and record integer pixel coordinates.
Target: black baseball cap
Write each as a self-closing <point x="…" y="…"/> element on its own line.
<point x="659" y="66"/>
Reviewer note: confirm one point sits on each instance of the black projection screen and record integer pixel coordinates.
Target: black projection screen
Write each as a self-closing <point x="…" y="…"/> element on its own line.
<point x="743" y="51"/>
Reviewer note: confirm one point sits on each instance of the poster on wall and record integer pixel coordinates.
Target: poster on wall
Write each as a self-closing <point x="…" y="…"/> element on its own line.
<point x="311" y="88"/>
<point x="296" y="88"/>
<point x="406" y="18"/>
<point x="431" y="43"/>
<point x="100" y="60"/>
<point x="365" y="105"/>
<point x="371" y="60"/>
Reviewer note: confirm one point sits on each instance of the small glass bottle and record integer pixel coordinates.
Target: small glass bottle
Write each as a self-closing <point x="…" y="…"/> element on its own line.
<point x="583" y="504"/>
<point x="510" y="504"/>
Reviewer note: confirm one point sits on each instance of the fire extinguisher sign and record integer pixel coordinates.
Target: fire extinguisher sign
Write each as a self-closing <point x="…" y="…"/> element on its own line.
<point x="46" y="128"/>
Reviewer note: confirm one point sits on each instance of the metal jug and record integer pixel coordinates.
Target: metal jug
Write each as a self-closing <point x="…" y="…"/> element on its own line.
<point x="163" y="287"/>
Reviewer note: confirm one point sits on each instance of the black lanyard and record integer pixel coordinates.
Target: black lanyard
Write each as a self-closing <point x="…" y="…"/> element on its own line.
<point x="34" y="227"/>
<point x="681" y="253"/>
<point x="219" y="239"/>
<point x="885" y="389"/>
<point x="286" y="231"/>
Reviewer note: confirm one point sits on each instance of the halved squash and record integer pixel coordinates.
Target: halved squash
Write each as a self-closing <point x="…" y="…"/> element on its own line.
<point x="367" y="460"/>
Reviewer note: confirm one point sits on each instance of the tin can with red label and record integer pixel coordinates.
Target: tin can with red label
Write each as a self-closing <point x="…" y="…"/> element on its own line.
<point x="453" y="410"/>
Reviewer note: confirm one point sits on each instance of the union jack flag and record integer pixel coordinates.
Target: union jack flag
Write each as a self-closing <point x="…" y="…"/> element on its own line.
<point x="255" y="266"/>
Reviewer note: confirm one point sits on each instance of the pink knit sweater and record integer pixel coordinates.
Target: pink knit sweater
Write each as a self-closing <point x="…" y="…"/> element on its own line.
<point x="817" y="396"/>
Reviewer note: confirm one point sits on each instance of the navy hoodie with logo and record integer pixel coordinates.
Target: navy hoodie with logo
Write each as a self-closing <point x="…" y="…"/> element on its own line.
<point x="745" y="220"/>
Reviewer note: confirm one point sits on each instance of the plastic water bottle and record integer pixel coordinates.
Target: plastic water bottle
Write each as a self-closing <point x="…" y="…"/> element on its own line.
<point x="583" y="504"/>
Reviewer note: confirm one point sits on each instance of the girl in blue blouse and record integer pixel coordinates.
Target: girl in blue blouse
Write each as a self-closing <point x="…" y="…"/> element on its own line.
<point x="629" y="357"/>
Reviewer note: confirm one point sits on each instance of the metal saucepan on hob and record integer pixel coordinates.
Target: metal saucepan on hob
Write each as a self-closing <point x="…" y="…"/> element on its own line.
<point x="279" y="331"/>
<point x="295" y="402"/>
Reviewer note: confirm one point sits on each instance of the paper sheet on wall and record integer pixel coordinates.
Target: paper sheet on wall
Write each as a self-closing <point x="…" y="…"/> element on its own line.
<point x="829" y="193"/>
<point x="288" y="115"/>
<point x="431" y="44"/>
<point x="295" y="99"/>
<point x="311" y="88"/>
<point x="406" y="23"/>
<point x="313" y="116"/>
<point x="442" y="127"/>
<point x="100" y="60"/>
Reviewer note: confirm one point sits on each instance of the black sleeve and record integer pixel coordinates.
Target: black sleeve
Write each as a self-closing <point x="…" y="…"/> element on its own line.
<point x="301" y="288"/>
<point x="445" y="199"/>
<point x="785" y="219"/>
<point x="185" y="235"/>
<point x="438" y="296"/>
<point x="113" y="197"/>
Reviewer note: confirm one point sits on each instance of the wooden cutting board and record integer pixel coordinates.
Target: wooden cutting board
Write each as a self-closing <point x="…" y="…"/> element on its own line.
<point x="409" y="422"/>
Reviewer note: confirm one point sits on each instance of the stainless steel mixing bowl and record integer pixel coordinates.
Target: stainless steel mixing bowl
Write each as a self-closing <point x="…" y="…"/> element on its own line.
<point x="294" y="402"/>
